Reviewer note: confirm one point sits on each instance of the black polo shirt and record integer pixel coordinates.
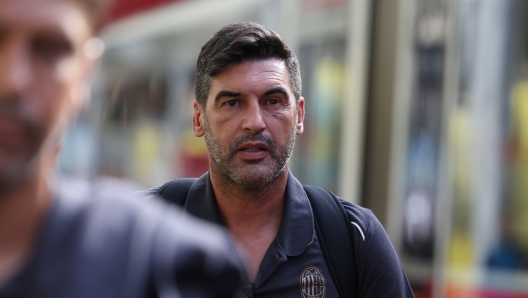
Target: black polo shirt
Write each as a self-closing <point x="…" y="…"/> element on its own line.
<point x="294" y="265"/>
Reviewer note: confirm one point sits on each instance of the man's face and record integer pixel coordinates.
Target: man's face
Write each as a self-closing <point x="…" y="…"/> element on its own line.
<point x="250" y="122"/>
<point x="43" y="72"/>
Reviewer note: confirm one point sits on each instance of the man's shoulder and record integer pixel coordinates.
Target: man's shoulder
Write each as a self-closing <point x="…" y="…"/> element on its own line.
<point x="117" y="207"/>
<point x="105" y="239"/>
<point x="359" y="216"/>
<point x="117" y="220"/>
<point x="133" y="217"/>
<point x="87" y="245"/>
<point x="382" y="274"/>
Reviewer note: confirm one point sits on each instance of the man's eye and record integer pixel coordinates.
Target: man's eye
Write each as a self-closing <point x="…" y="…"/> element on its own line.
<point x="231" y="103"/>
<point x="50" y="49"/>
<point x="273" y="101"/>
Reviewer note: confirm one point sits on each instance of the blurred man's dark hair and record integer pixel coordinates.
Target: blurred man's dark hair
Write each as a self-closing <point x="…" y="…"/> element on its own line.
<point x="96" y="10"/>
<point x="241" y="42"/>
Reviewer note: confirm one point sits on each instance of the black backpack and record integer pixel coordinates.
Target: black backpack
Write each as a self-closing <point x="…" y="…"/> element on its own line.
<point x="332" y="226"/>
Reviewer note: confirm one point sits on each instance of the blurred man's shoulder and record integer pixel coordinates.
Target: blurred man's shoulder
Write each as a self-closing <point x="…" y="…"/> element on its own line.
<point x="144" y="215"/>
<point x="104" y="238"/>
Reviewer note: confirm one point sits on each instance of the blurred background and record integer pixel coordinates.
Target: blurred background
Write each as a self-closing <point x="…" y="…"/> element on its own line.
<point x="416" y="109"/>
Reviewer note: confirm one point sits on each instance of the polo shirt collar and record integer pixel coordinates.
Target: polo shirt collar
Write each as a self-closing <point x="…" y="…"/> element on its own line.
<point x="201" y="201"/>
<point x="296" y="231"/>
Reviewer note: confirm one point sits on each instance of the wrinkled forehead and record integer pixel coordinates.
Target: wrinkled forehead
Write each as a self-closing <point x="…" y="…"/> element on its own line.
<point x="65" y="17"/>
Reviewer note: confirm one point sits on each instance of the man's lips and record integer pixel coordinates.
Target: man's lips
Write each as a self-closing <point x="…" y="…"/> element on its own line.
<point x="253" y="150"/>
<point x="253" y="145"/>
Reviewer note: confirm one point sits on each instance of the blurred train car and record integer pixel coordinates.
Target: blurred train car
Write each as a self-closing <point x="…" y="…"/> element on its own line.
<point x="416" y="109"/>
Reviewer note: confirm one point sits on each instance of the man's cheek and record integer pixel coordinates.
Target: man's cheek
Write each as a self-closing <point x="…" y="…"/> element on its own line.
<point x="67" y="70"/>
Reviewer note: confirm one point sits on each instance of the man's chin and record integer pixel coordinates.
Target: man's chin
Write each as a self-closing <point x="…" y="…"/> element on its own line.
<point x="253" y="184"/>
<point x="254" y="177"/>
<point x="15" y="170"/>
<point x="11" y="179"/>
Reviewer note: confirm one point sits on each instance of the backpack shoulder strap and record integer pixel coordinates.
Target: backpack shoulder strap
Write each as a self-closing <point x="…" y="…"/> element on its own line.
<point x="176" y="191"/>
<point x="335" y="235"/>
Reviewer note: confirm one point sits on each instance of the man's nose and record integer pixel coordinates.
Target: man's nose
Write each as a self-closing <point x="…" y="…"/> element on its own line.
<point x="254" y="121"/>
<point x="15" y="71"/>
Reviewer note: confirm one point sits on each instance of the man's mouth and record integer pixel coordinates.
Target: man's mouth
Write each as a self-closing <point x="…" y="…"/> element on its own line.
<point x="252" y="149"/>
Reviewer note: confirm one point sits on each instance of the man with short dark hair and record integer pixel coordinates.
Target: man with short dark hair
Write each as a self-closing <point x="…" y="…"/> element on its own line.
<point x="250" y="110"/>
<point x="55" y="245"/>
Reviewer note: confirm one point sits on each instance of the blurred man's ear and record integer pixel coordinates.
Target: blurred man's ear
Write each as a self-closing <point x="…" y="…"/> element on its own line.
<point x="93" y="48"/>
<point x="93" y="51"/>
<point x="198" y="119"/>
<point x="91" y="56"/>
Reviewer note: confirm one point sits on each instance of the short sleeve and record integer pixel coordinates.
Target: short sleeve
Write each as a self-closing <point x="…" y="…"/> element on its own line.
<point x="380" y="273"/>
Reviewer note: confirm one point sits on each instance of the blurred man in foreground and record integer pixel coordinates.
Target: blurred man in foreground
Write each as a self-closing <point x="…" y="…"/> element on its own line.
<point x="249" y="108"/>
<point x="55" y="246"/>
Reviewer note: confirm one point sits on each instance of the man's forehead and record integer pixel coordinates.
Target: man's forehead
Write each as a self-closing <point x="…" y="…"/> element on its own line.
<point x="259" y="73"/>
<point x="33" y="16"/>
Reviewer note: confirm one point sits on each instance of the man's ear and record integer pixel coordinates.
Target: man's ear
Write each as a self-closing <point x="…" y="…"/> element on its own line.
<point x="93" y="50"/>
<point x="198" y="119"/>
<point x="300" y="116"/>
<point x="91" y="58"/>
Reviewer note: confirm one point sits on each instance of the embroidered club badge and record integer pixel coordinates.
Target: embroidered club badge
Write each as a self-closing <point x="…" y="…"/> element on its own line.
<point x="313" y="283"/>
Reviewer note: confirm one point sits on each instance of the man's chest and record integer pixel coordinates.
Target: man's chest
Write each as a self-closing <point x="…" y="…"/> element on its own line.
<point x="305" y="275"/>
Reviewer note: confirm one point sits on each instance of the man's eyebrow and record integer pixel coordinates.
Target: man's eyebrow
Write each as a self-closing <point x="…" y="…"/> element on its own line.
<point x="277" y="90"/>
<point x="225" y="93"/>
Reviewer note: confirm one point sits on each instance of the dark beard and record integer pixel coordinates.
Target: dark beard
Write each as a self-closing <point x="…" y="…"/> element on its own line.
<point x="250" y="182"/>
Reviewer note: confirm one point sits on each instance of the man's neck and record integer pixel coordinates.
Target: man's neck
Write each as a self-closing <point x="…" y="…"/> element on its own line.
<point x="252" y="218"/>
<point x="255" y="209"/>
<point x="22" y="211"/>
